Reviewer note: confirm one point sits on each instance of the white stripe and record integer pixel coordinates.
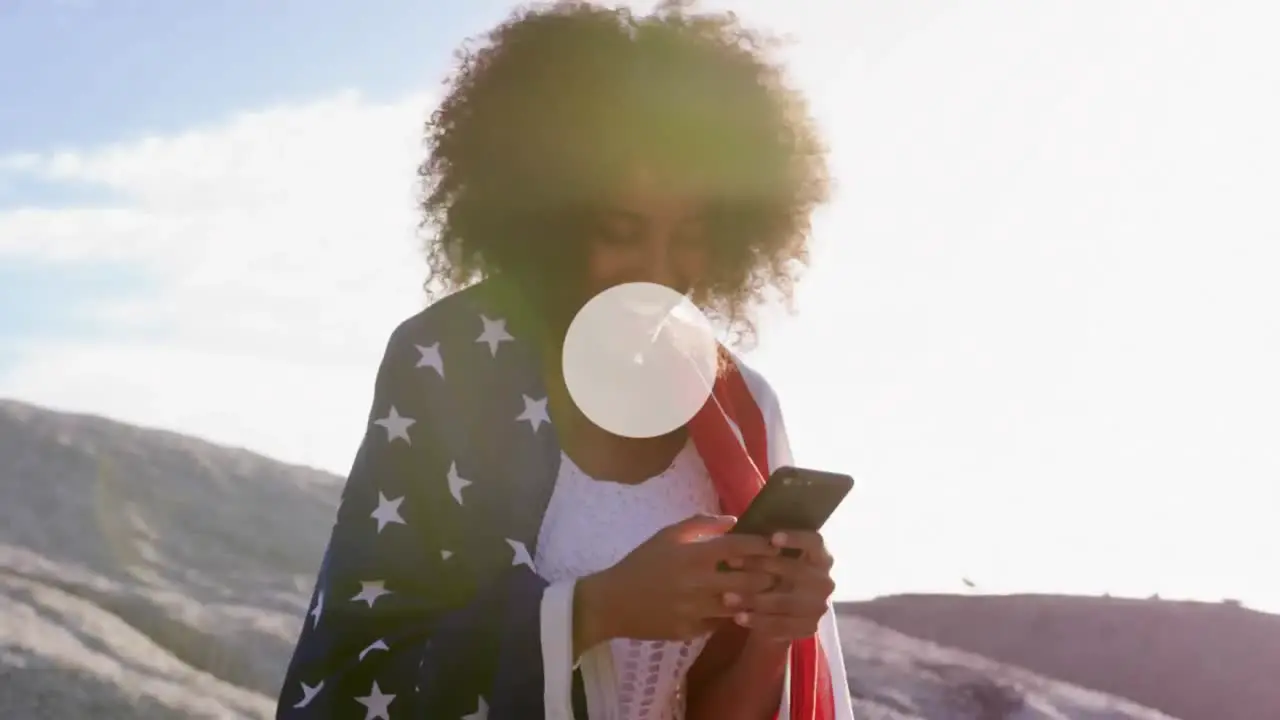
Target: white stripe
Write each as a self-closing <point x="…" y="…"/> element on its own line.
<point x="556" y="618"/>
<point x="780" y="455"/>
<point x="600" y="683"/>
<point x="784" y="704"/>
<point x="775" y="429"/>
<point x="558" y="663"/>
<point x="829" y="636"/>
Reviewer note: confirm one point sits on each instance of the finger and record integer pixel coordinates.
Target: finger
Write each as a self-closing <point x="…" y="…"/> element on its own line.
<point x="741" y="584"/>
<point x="732" y="548"/>
<point x="701" y="528"/>
<point x="795" y="577"/>
<point x="802" y="605"/>
<point x="810" y="545"/>
<point x="708" y="610"/>
<point x="778" y="627"/>
<point x="815" y="582"/>
<point x="710" y="607"/>
<point x="786" y="569"/>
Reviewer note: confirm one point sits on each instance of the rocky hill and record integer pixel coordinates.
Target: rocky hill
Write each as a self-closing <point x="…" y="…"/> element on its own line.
<point x="1199" y="661"/>
<point x="145" y="574"/>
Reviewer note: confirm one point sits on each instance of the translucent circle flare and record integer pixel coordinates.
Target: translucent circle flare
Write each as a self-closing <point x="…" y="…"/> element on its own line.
<point x="639" y="360"/>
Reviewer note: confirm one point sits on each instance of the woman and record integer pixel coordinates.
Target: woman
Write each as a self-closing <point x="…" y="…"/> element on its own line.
<point x="498" y="555"/>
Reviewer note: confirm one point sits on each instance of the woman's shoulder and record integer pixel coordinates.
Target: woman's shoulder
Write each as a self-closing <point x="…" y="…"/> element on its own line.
<point x="452" y="337"/>
<point x="761" y="389"/>
<point x="767" y="400"/>
<point x="452" y="315"/>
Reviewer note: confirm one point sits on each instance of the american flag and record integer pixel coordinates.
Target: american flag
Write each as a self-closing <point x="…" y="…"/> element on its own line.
<point x="427" y="604"/>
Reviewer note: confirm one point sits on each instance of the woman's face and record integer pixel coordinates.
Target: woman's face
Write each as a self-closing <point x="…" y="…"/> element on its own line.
<point x="647" y="234"/>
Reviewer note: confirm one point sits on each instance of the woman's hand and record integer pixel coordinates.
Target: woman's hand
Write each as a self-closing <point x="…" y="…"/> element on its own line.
<point x="669" y="588"/>
<point x="741" y="671"/>
<point x="792" y="608"/>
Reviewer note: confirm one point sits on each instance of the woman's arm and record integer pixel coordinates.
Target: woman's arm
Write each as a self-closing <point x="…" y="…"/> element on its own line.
<point x="737" y="677"/>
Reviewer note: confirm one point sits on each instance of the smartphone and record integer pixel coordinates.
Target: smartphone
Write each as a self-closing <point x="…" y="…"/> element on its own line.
<point x="794" y="499"/>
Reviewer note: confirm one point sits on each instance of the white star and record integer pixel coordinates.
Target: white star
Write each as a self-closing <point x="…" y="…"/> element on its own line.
<point x="397" y="425"/>
<point x="495" y="333"/>
<point x="429" y="356"/>
<point x="370" y="591"/>
<point x="377" y="645"/>
<point x="535" y="411"/>
<point x="377" y="703"/>
<point x="388" y="511"/>
<point x="308" y="694"/>
<point x="482" y="711"/>
<point x="456" y="482"/>
<point x="519" y="554"/>
<point x="319" y="608"/>
<point x="446" y="554"/>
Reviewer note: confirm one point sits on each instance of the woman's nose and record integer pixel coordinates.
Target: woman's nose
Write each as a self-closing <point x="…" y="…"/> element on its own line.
<point x="658" y="265"/>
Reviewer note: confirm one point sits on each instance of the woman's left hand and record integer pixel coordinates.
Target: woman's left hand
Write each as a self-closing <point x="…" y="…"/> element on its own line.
<point x="792" y="608"/>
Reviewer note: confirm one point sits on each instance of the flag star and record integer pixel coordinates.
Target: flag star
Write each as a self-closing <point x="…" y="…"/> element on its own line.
<point x="396" y="425"/>
<point x="495" y="333"/>
<point x="482" y="710"/>
<point x="429" y="356"/>
<point x="377" y="645"/>
<point x="319" y="608"/>
<point x="535" y="412"/>
<point x="388" y="511"/>
<point x="456" y="482"/>
<point x="370" y="591"/>
<point x="446" y="554"/>
<point x="308" y="694"/>
<point x="377" y="703"/>
<point x="520" y="554"/>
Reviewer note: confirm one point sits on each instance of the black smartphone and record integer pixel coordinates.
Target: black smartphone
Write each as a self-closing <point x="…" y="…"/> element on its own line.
<point x="794" y="499"/>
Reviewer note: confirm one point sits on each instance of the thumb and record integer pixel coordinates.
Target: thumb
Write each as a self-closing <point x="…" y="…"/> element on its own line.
<point x="702" y="527"/>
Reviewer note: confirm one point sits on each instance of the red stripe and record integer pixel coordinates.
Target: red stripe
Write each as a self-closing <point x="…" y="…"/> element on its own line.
<point x="749" y="419"/>
<point x="738" y="473"/>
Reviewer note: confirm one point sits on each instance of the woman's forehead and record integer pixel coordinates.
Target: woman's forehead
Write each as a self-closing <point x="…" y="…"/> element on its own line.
<point x="647" y="193"/>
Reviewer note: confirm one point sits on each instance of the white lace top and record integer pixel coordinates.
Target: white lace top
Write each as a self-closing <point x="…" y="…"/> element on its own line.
<point x="590" y="525"/>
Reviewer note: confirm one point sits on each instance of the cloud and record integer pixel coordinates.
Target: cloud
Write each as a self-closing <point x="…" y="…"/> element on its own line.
<point x="283" y="249"/>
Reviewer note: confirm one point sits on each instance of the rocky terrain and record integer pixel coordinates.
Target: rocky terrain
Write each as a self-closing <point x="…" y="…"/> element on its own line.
<point x="145" y="574"/>
<point x="1216" y="661"/>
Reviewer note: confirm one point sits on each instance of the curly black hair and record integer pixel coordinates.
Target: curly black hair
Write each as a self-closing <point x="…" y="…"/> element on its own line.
<point x="545" y="114"/>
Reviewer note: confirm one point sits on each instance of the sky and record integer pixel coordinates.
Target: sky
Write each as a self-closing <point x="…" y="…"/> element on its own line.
<point x="1041" y="325"/>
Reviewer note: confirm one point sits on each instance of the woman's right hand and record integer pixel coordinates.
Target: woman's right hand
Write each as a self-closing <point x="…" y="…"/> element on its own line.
<point x="670" y="587"/>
